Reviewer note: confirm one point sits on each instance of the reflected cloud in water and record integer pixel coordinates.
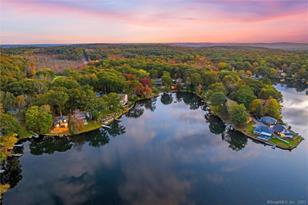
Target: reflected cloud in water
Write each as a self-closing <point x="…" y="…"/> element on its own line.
<point x="162" y="152"/>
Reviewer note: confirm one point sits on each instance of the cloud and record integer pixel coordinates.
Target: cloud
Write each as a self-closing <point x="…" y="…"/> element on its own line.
<point x="67" y="21"/>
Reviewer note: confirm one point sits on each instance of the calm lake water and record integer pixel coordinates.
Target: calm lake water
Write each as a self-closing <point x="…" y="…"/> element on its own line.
<point x="165" y="151"/>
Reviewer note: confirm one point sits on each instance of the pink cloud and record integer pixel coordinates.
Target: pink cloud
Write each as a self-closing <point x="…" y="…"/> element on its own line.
<point x="155" y="21"/>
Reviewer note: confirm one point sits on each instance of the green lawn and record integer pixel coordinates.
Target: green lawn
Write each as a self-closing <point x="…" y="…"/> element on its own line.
<point x="92" y="125"/>
<point x="292" y="142"/>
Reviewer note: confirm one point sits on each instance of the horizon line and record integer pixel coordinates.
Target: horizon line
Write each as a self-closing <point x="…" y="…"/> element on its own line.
<point x="274" y="42"/>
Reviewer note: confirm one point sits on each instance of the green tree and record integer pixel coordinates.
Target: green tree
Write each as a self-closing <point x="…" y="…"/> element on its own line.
<point x="223" y="66"/>
<point x="270" y="91"/>
<point x="245" y="95"/>
<point x="195" y="80"/>
<point x="64" y="82"/>
<point x="8" y="100"/>
<point x="57" y="98"/>
<point x="9" y="124"/>
<point x="256" y="107"/>
<point x="166" y="80"/>
<point x="113" y="102"/>
<point x="209" y="77"/>
<point x="111" y="81"/>
<point x="217" y="99"/>
<point x="273" y="108"/>
<point x="238" y="114"/>
<point x="38" y="120"/>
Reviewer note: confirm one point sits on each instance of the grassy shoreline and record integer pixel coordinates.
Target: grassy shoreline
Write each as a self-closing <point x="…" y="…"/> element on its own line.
<point x="247" y="132"/>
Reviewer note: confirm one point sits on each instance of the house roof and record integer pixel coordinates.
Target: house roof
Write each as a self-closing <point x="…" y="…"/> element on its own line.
<point x="268" y="120"/>
<point x="263" y="130"/>
<point x="278" y="128"/>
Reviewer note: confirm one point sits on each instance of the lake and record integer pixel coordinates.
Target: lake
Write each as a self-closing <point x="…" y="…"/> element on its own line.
<point x="164" y="151"/>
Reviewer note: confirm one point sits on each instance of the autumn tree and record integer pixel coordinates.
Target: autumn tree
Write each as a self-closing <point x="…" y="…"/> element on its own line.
<point x="256" y="107"/>
<point x="273" y="108"/>
<point x="38" y="120"/>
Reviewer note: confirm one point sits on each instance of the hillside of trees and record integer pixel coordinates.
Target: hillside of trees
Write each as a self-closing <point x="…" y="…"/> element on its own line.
<point x="235" y="81"/>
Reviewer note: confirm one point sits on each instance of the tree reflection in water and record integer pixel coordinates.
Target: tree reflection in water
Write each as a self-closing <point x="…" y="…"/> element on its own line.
<point x="166" y="98"/>
<point x="190" y="99"/>
<point x="236" y="140"/>
<point x="50" y="145"/>
<point x="12" y="174"/>
<point x="136" y="112"/>
<point x="216" y="125"/>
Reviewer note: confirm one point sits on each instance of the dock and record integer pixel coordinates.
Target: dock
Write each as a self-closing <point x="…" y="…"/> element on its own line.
<point x="16" y="155"/>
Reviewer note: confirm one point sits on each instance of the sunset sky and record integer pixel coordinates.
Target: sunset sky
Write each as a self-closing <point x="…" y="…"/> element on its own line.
<point x="137" y="21"/>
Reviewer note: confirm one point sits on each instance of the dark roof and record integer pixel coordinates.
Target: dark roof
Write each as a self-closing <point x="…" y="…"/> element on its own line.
<point x="278" y="128"/>
<point x="268" y="120"/>
<point x="263" y="129"/>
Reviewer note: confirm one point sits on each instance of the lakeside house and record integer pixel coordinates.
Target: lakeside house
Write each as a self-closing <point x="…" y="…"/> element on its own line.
<point x="268" y="120"/>
<point x="60" y="121"/>
<point x="81" y="116"/>
<point x="281" y="131"/>
<point x="60" y="125"/>
<point x="264" y="132"/>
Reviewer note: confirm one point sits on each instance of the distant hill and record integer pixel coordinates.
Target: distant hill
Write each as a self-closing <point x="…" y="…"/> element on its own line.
<point x="282" y="45"/>
<point x="30" y="45"/>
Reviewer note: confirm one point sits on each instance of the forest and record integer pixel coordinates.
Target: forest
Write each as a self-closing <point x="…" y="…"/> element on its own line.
<point x="237" y="82"/>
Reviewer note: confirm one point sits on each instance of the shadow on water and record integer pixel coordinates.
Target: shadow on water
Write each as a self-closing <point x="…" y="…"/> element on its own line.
<point x="101" y="137"/>
<point x="236" y="140"/>
<point x="184" y="141"/>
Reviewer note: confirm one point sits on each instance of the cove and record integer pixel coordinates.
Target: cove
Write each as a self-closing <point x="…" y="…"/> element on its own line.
<point x="164" y="151"/>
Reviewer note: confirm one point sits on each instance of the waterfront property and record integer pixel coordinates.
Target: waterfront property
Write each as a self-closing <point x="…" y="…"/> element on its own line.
<point x="60" y="125"/>
<point x="281" y="131"/>
<point x="80" y="116"/>
<point x="194" y="158"/>
<point x="268" y="120"/>
<point x="263" y="132"/>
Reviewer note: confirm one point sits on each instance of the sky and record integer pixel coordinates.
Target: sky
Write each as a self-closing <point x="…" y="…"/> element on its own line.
<point x="152" y="21"/>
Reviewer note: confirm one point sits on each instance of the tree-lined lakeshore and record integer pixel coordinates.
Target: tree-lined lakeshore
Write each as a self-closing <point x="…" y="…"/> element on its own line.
<point x="43" y="98"/>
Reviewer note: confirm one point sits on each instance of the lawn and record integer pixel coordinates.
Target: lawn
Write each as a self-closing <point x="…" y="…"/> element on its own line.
<point x="92" y="125"/>
<point x="292" y="142"/>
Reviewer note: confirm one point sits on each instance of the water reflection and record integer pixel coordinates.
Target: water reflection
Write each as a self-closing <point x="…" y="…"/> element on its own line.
<point x="156" y="154"/>
<point x="13" y="172"/>
<point x="236" y="140"/>
<point x="216" y="125"/>
<point x="166" y="98"/>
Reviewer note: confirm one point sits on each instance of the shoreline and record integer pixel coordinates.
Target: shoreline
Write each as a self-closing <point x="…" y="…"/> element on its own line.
<point x="97" y="126"/>
<point x="255" y="138"/>
<point x="126" y="109"/>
